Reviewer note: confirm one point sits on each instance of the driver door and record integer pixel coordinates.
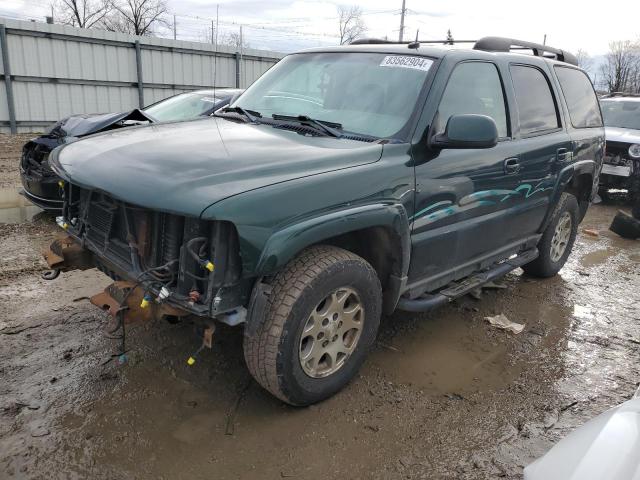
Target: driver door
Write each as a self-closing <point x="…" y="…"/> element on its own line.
<point x="462" y="209"/>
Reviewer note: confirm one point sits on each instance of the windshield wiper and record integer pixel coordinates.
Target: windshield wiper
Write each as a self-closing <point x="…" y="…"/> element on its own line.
<point x="330" y="128"/>
<point x="251" y="115"/>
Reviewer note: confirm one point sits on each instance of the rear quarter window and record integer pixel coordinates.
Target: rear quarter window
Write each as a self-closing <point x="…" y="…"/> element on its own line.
<point x="537" y="109"/>
<point x="580" y="96"/>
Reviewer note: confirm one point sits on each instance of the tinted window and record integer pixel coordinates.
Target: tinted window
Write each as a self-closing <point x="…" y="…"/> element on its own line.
<point x="474" y="87"/>
<point x="536" y="108"/>
<point x="580" y="97"/>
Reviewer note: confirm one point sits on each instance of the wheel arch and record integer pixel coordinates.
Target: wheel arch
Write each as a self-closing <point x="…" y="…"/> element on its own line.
<point x="378" y="233"/>
<point x="580" y="180"/>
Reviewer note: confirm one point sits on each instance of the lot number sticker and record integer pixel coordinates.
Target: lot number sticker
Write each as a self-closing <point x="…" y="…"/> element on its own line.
<point x="404" y="61"/>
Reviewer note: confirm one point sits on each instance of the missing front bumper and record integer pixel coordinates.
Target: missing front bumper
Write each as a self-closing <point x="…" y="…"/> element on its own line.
<point x="125" y="298"/>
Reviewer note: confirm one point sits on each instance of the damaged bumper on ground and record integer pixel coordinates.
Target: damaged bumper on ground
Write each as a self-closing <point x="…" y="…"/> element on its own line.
<point x="162" y="263"/>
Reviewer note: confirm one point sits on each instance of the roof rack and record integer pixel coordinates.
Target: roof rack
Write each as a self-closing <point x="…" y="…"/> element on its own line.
<point x="487" y="44"/>
<point x="375" y="41"/>
<point x="502" y="44"/>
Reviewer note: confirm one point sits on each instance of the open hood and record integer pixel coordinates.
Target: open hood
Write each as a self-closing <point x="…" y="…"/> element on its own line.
<point x="185" y="167"/>
<point x="623" y="135"/>
<point x="81" y="125"/>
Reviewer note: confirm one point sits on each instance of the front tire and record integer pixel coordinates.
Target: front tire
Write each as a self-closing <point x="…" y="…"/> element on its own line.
<point x="557" y="240"/>
<point x="322" y="317"/>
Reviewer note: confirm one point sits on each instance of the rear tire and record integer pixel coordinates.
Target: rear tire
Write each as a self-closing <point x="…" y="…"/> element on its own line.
<point x="557" y="240"/>
<point x="321" y="319"/>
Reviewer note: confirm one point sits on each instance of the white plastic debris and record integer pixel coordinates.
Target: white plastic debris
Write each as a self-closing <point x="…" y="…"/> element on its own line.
<point x="501" y="321"/>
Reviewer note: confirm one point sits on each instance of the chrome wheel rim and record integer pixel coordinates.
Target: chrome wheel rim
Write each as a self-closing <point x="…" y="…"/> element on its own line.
<point x="561" y="237"/>
<point x="331" y="333"/>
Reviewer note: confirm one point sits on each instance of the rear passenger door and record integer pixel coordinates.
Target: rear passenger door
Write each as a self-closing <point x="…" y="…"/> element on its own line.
<point x="587" y="132"/>
<point x="544" y="143"/>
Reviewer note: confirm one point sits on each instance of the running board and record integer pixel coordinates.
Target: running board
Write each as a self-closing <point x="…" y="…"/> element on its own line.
<point x="476" y="280"/>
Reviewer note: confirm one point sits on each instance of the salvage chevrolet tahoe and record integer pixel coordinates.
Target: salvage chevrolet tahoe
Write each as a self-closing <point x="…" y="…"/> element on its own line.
<point x="345" y="183"/>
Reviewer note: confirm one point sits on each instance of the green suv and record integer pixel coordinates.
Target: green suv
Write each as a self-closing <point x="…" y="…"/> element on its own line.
<point x="345" y="183"/>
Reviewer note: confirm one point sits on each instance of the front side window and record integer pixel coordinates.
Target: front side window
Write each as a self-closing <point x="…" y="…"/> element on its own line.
<point x="621" y="113"/>
<point x="580" y="96"/>
<point x="366" y="93"/>
<point x="536" y="107"/>
<point x="474" y="87"/>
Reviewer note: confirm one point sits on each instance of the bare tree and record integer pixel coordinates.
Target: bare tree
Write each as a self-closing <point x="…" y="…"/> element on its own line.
<point x="621" y="70"/>
<point x="585" y="61"/>
<point x="81" y="13"/>
<point x="136" y="17"/>
<point x="351" y="24"/>
<point x="233" y="40"/>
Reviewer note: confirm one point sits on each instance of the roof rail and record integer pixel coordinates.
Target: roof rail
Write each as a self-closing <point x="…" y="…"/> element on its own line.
<point x="376" y="41"/>
<point x="502" y="44"/>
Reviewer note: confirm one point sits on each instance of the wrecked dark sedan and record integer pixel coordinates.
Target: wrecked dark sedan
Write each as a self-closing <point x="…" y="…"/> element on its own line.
<point x="41" y="184"/>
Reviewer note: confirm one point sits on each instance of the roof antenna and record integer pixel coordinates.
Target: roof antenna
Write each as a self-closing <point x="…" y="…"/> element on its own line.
<point x="416" y="44"/>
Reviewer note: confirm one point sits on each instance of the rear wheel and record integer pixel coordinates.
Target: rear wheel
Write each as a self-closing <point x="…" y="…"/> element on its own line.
<point x="557" y="240"/>
<point x="322" y="318"/>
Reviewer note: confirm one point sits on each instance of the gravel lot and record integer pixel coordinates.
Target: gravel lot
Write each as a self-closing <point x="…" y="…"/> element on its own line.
<point x="443" y="395"/>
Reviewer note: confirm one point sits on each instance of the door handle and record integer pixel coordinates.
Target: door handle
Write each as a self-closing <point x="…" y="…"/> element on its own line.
<point x="562" y="154"/>
<point x="511" y="166"/>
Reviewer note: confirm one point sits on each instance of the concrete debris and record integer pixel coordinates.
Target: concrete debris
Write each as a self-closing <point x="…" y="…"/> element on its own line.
<point x="501" y="321"/>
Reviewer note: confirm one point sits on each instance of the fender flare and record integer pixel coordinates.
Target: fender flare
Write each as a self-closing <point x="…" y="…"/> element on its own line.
<point x="565" y="177"/>
<point x="288" y="241"/>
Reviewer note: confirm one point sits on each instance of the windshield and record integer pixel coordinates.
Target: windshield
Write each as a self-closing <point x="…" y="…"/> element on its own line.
<point x="366" y="93"/>
<point x="182" y="107"/>
<point x="621" y="114"/>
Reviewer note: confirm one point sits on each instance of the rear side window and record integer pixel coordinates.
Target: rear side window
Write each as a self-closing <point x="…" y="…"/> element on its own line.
<point x="581" y="99"/>
<point x="474" y="87"/>
<point x="536" y="108"/>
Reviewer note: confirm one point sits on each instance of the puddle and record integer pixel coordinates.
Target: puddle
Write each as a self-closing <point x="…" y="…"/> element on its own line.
<point x="598" y="257"/>
<point x="14" y="208"/>
<point x="446" y="355"/>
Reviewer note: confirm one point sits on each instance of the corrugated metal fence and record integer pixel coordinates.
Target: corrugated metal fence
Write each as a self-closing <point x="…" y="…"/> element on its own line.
<point x="52" y="71"/>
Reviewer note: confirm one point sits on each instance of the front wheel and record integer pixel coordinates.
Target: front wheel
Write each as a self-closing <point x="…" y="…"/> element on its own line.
<point x="557" y="240"/>
<point x="322" y="317"/>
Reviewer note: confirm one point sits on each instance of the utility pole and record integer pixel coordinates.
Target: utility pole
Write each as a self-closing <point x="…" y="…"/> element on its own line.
<point x="241" y="48"/>
<point x="217" y="18"/>
<point x="544" y="41"/>
<point x="212" y="32"/>
<point x="402" y="12"/>
<point x="174" y="26"/>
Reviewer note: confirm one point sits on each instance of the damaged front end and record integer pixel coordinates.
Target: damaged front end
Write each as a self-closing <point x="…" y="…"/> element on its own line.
<point x="621" y="171"/>
<point x="162" y="263"/>
<point x="39" y="181"/>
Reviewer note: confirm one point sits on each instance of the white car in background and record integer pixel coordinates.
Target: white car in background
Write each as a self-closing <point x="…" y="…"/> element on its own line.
<point x="605" y="448"/>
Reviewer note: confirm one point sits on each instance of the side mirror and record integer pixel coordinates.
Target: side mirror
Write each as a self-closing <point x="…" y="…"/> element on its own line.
<point x="468" y="131"/>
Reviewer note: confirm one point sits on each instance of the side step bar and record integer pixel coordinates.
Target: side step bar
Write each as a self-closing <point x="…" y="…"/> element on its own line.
<point x="457" y="290"/>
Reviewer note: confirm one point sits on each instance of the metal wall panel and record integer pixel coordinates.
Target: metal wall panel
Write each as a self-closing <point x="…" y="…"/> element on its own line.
<point x="59" y="71"/>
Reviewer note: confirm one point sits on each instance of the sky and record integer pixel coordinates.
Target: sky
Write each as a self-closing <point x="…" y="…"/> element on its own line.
<point x="289" y="25"/>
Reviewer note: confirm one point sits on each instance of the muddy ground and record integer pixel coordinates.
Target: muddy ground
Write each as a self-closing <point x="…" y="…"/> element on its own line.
<point x="443" y="395"/>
